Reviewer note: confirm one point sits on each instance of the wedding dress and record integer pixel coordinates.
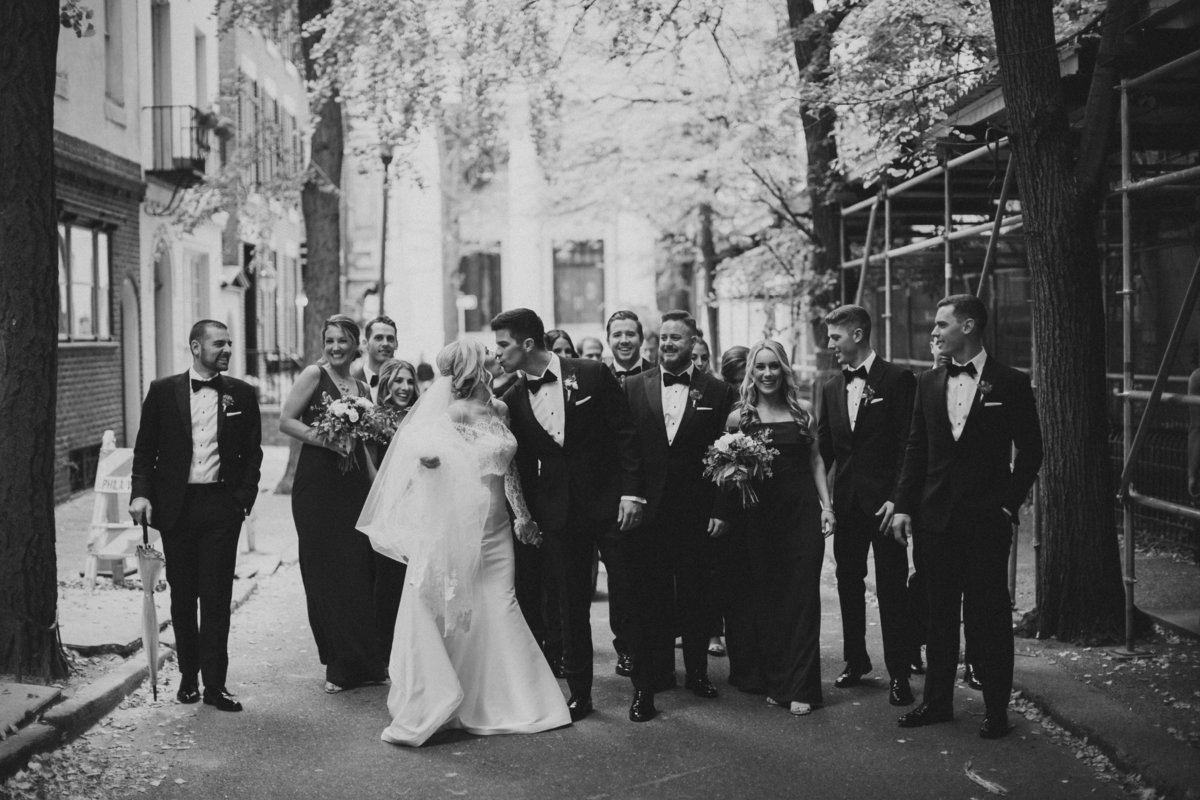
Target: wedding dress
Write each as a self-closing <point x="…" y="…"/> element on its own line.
<point x="462" y="654"/>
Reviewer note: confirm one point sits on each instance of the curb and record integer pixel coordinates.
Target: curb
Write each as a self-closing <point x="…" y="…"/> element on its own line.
<point x="76" y="714"/>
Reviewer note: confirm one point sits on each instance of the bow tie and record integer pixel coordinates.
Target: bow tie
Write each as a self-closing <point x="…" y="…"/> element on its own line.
<point x="533" y="384"/>
<point x="851" y="374"/>
<point x="954" y="370"/>
<point x="670" y="380"/>
<point x="375" y="379"/>
<point x="211" y="383"/>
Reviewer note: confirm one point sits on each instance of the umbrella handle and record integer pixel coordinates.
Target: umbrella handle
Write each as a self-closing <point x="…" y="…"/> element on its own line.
<point x="145" y="533"/>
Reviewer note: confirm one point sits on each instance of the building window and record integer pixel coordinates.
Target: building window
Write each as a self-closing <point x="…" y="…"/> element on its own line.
<point x="479" y="276"/>
<point x="200" y="285"/>
<point x="114" y="58"/>
<point x="83" y="283"/>
<point x="579" y="282"/>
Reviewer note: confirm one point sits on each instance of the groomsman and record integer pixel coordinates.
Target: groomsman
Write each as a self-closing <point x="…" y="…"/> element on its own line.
<point x="962" y="482"/>
<point x="381" y="347"/>
<point x="679" y="411"/>
<point x="625" y="338"/>
<point x="581" y="470"/>
<point x="863" y="426"/>
<point x="591" y="348"/>
<point x="196" y="466"/>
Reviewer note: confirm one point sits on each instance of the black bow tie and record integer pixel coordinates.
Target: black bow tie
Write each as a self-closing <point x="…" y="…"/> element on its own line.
<point x="851" y="374"/>
<point x="375" y="379"/>
<point x="533" y="384"/>
<point x="670" y="380"/>
<point x="211" y="383"/>
<point x="953" y="370"/>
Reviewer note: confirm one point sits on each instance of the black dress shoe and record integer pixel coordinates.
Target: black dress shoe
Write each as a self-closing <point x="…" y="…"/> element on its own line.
<point x="579" y="707"/>
<point x="700" y="686"/>
<point x="643" y="709"/>
<point x="995" y="726"/>
<point x="852" y="675"/>
<point x="900" y="694"/>
<point x="221" y="700"/>
<point x="624" y="665"/>
<point x="925" y="715"/>
<point x="971" y="678"/>
<point x="188" y="695"/>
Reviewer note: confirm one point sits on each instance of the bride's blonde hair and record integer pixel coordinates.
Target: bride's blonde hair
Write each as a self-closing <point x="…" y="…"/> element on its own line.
<point x="466" y="365"/>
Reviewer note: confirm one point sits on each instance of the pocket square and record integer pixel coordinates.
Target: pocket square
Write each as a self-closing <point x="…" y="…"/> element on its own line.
<point x="229" y="414"/>
<point x="997" y="403"/>
<point x="875" y="400"/>
<point x="704" y="408"/>
<point x="583" y="400"/>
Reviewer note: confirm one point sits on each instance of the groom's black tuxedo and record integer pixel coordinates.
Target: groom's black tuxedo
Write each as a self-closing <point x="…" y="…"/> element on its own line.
<point x="865" y="467"/>
<point x="962" y="494"/>
<point x="674" y="553"/>
<point x="574" y="492"/>
<point x="200" y="523"/>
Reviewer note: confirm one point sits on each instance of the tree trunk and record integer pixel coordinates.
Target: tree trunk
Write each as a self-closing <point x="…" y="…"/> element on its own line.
<point x="29" y="642"/>
<point x="1079" y="582"/>
<point x="813" y="37"/>
<point x="708" y="254"/>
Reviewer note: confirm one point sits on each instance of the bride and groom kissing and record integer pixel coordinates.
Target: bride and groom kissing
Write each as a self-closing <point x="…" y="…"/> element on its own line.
<point x="562" y="448"/>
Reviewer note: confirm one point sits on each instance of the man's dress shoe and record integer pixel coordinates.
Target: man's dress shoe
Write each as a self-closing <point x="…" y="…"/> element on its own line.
<point x="188" y="695"/>
<point x="899" y="694"/>
<point x="925" y="715"/>
<point x="852" y="675"/>
<point x="643" y="709"/>
<point x="971" y="678"/>
<point x="995" y="726"/>
<point x="624" y="665"/>
<point x="700" y="686"/>
<point x="579" y="707"/>
<point x="221" y="700"/>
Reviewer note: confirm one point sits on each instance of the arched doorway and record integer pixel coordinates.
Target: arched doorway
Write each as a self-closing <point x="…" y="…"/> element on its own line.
<point x="164" y="319"/>
<point x="131" y="358"/>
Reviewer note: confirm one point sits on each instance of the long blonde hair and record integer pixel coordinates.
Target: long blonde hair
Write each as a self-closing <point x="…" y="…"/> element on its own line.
<point x="466" y="365"/>
<point x="748" y="402"/>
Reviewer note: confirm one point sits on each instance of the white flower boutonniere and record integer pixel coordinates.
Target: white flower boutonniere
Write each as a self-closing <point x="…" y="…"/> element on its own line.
<point x="868" y="394"/>
<point x="695" y="396"/>
<point x="571" y="383"/>
<point x="984" y="388"/>
<point x="226" y="402"/>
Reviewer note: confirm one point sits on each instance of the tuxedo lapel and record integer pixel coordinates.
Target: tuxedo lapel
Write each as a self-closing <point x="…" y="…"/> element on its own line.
<point x="221" y="391"/>
<point x="941" y="411"/>
<point x="696" y="390"/>
<point x="870" y="390"/>
<point x="986" y="377"/>
<point x="525" y="409"/>
<point x="653" y="388"/>
<point x="183" y="399"/>
<point x="838" y="412"/>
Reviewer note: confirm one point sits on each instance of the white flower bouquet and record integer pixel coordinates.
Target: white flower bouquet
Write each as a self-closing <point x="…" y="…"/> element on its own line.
<point x="737" y="459"/>
<point x="349" y="420"/>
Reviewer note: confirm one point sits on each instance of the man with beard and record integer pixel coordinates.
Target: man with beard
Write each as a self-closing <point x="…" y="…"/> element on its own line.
<point x="381" y="348"/>
<point x="195" y="478"/>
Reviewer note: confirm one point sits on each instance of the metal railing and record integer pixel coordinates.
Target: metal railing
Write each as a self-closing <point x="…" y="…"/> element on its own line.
<point x="272" y="373"/>
<point x="179" y="138"/>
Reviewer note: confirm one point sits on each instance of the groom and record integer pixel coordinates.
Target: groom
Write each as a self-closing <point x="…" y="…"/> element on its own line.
<point x="581" y="471"/>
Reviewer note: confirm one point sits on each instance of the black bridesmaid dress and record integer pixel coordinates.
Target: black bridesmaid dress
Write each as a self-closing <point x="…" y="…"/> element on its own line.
<point x="785" y="550"/>
<point x="337" y="563"/>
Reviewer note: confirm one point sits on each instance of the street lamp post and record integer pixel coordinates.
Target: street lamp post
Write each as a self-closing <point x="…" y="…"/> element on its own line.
<point x="385" y="155"/>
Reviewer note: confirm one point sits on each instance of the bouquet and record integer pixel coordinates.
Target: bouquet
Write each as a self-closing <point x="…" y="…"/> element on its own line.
<point x="349" y="420"/>
<point x="737" y="459"/>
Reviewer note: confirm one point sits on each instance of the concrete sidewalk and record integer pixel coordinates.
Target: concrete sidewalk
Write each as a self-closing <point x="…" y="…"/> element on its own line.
<point x="107" y="619"/>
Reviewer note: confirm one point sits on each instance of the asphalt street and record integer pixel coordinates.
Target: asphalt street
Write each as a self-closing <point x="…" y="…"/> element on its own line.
<point x="294" y="741"/>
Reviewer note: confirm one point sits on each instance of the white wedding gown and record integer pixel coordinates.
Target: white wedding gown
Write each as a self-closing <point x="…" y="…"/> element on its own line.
<point x="491" y="677"/>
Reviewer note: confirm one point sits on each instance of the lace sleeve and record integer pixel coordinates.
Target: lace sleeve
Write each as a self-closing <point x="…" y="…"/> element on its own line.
<point x="512" y="491"/>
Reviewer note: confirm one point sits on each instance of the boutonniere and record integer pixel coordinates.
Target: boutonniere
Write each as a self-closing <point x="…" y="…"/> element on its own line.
<point x="571" y="384"/>
<point x="695" y="395"/>
<point x="226" y="402"/>
<point x="868" y="394"/>
<point x="984" y="388"/>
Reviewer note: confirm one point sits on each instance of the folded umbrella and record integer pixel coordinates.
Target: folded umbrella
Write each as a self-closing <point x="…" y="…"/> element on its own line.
<point x="150" y="566"/>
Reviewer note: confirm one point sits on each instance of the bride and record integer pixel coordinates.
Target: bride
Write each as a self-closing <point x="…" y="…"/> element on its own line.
<point x="462" y="655"/>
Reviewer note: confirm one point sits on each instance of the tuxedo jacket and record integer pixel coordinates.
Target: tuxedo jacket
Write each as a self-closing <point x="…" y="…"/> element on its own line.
<point x="162" y="455"/>
<point x="599" y="460"/>
<point x="678" y="464"/>
<point x="868" y="459"/>
<point x="976" y="474"/>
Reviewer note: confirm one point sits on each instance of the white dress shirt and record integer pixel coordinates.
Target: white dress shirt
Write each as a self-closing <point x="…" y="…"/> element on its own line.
<point x="549" y="402"/>
<point x="674" y="401"/>
<point x="369" y="373"/>
<point x="855" y="388"/>
<point x="960" y="394"/>
<point x="206" y="461"/>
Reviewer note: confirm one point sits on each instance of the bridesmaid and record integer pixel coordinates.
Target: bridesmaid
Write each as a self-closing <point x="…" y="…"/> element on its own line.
<point x="784" y="538"/>
<point x="398" y="390"/>
<point x="336" y="561"/>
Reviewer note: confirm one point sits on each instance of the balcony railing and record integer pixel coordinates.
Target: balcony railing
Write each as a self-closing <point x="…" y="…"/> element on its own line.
<point x="180" y="138"/>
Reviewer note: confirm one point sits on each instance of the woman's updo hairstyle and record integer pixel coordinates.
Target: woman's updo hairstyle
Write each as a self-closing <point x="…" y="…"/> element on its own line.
<point x="348" y="326"/>
<point x="466" y="365"/>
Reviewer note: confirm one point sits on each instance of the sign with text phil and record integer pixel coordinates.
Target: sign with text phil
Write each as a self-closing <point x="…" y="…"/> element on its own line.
<point x="113" y="536"/>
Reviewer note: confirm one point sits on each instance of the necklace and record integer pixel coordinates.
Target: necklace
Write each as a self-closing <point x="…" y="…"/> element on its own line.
<point x="344" y="388"/>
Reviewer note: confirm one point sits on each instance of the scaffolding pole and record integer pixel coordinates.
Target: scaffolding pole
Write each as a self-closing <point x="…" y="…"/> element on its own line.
<point x="887" y="275"/>
<point x="866" y="259"/>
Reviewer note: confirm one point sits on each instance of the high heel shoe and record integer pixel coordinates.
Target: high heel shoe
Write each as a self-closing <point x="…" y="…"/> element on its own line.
<point x="333" y="688"/>
<point x="798" y="709"/>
